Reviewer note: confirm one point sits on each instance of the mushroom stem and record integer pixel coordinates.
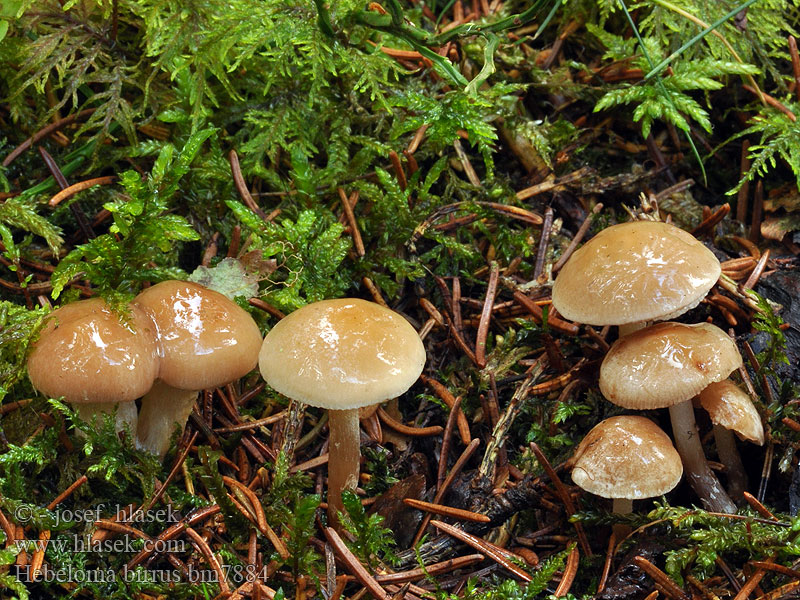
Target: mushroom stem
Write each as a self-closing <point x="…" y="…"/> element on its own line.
<point x="344" y="455"/>
<point x="687" y="442"/>
<point x="630" y="328"/>
<point x="622" y="506"/>
<point x="162" y="407"/>
<point x="125" y="413"/>
<point x="729" y="456"/>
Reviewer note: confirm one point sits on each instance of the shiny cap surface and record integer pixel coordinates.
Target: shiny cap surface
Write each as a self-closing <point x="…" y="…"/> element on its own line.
<point x="206" y="339"/>
<point x="665" y="364"/>
<point x="342" y="354"/>
<point x="626" y="457"/>
<point x="87" y="354"/>
<point x="634" y="272"/>
<point x="731" y="407"/>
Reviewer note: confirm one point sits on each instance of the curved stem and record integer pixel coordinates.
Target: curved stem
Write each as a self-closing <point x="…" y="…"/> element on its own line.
<point x="687" y="442"/>
<point x="344" y="455"/>
<point x="730" y="457"/>
<point x="162" y="407"/>
<point x="125" y="415"/>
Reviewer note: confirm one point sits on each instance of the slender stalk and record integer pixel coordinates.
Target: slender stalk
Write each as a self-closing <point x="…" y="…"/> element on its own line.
<point x="162" y="407"/>
<point x="687" y="442"/>
<point x="344" y="451"/>
<point x="730" y="457"/>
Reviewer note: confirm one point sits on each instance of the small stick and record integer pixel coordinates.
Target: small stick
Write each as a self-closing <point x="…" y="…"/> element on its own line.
<point x="711" y="221"/>
<point x="447" y="511"/>
<point x="774" y="103"/>
<point x="374" y="291"/>
<point x="267" y="308"/>
<point x="499" y="555"/>
<point x="760" y="564"/>
<point x="252" y="424"/>
<point x="205" y="550"/>
<point x="750" y="585"/>
<point x="434" y="569"/>
<point x="44" y="132"/>
<point x="795" y="65"/>
<point x="241" y="186"/>
<point x="66" y="493"/>
<point x="417" y="139"/>
<point x="73" y="189"/>
<point x="445" y="396"/>
<point x="702" y="587"/>
<point x="398" y="170"/>
<point x="354" y="565"/>
<point x="392" y="423"/>
<point x="486" y="315"/>
<point x="541" y="252"/>
<point x="447" y="436"/>
<point x="661" y="578"/>
<point x="744" y="191"/>
<point x="468" y="169"/>
<point x="570" y="570"/>
<point x="783" y="591"/>
<point x="553" y="321"/>
<point x="757" y="271"/>
<point x="562" y="492"/>
<point x="758" y="507"/>
<point x="351" y="220"/>
<point x="612" y="541"/>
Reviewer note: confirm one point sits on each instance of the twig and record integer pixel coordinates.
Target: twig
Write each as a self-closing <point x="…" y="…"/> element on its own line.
<point x="353" y="565"/>
<point x="570" y="570"/>
<point x="486" y="315"/>
<point x="494" y="552"/>
<point x="44" y="132"/>
<point x="405" y="429"/>
<point x="70" y="191"/>
<point x="208" y="555"/>
<point x="541" y="251"/>
<point x="661" y="578"/>
<point x="446" y="511"/>
<point x="445" y="396"/>
<point x="351" y="220"/>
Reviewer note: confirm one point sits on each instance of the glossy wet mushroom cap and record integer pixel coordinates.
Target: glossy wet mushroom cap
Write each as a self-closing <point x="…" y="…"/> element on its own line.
<point x="206" y="339"/>
<point x="89" y="354"/>
<point x="730" y="407"/>
<point x="666" y="364"/>
<point x="626" y="457"/>
<point x="635" y="272"/>
<point x="342" y="354"/>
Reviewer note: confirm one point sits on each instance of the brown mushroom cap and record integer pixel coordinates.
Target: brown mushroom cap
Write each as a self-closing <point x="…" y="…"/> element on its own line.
<point x="666" y="364"/>
<point x="342" y="354"/>
<point x="206" y="339"/>
<point x="626" y="457"/>
<point x="87" y="354"/>
<point x="730" y="407"/>
<point x="635" y="272"/>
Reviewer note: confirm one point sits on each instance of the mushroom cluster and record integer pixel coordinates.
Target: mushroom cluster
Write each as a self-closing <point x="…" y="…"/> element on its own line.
<point x="177" y="338"/>
<point x="631" y="275"/>
<point x="342" y="355"/>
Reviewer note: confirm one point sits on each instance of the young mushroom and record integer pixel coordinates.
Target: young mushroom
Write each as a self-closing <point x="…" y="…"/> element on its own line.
<point x="731" y="410"/>
<point x="97" y="360"/>
<point x="205" y="340"/>
<point x="341" y="355"/>
<point x="626" y="458"/>
<point x="632" y="273"/>
<point x="666" y="365"/>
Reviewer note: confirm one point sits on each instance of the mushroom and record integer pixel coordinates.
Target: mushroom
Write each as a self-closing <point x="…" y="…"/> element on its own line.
<point x="97" y="360"/>
<point x="205" y="340"/>
<point x="665" y="365"/>
<point x="341" y="355"/>
<point x="635" y="272"/>
<point x="731" y="410"/>
<point x="626" y="458"/>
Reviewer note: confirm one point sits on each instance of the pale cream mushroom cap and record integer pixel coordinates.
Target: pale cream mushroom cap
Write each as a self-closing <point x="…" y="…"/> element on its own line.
<point x="730" y="407"/>
<point x="206" y="339"/>
<point x="635" y="272"/>
<point x="626" y="457"/>
<point x="342" y="354"/>
<point x="88" y="354"/>
<point x="665" y="364"/>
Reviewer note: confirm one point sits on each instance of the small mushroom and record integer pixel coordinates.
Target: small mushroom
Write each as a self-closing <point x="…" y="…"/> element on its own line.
<point x="342" y="355"/>
<point x="97" y="360"/>
<point x="731" y="410"/>
<point x="665" y="365"/>
<point x="626" y="458"/>
<point x="205" y="340"/>
<point x="635" y="272"/>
